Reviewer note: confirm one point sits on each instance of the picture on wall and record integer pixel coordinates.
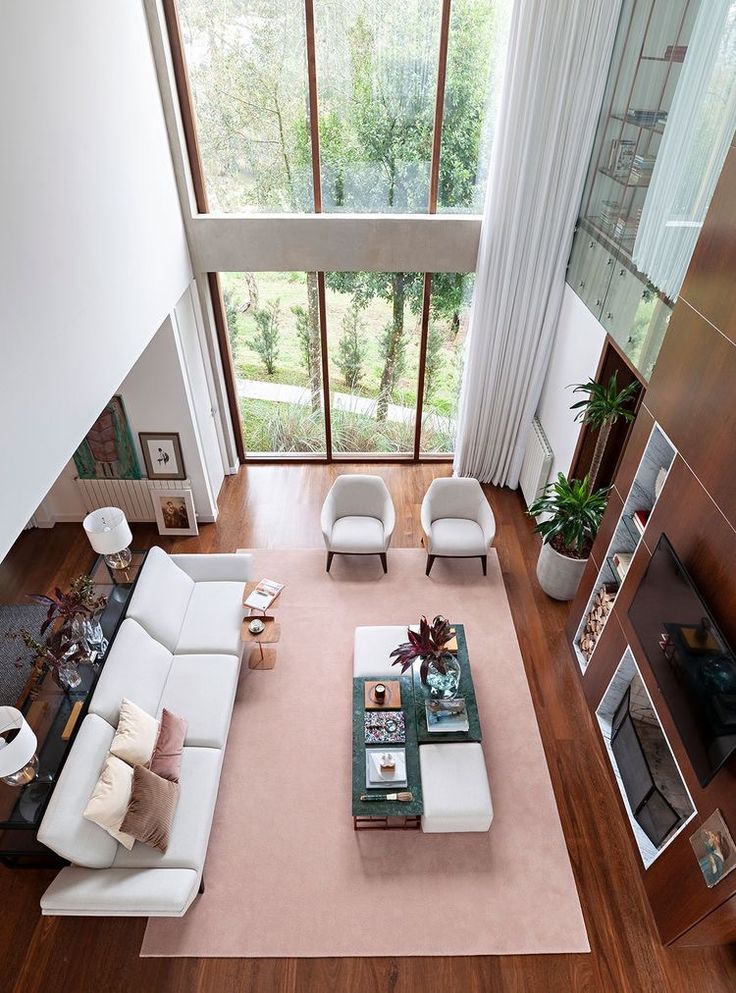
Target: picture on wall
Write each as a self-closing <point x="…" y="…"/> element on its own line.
<point x="714" y="849"/>
<point x="162" y="454"/>
<point x="174" y="512"/>
<point x="107" y="451"/>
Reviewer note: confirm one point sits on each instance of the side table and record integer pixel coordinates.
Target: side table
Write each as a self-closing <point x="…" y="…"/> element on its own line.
<point x="270" y="636"/>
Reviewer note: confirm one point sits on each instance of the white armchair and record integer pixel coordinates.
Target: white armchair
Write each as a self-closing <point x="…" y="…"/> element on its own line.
<point x="457" y="521"/>
<point x="358" y="518"/>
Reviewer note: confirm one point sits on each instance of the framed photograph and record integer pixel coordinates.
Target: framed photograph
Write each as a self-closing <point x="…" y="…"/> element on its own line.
<point x="714" y="849"/>
<point x="162" y="455"/>
<point x="174" y="512"/>
<point x="107" y="451"/>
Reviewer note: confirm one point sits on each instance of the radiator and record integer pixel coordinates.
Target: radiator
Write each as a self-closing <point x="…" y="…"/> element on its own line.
<point x="133" y="496"/>
<point x="536" y="465"/>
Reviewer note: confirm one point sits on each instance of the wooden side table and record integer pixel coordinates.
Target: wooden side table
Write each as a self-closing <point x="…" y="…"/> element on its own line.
<point x="270" y="636"/>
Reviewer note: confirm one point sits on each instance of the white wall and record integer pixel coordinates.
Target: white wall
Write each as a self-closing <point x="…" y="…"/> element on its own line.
<point x="92" y="248"/>
<point x="575" y="356"/>
<point x="157" y="395"/>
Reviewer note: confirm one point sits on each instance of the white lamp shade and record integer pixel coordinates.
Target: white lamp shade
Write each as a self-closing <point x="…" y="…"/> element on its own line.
<point x="15" y="754"/>
<point x="107" y="530"/>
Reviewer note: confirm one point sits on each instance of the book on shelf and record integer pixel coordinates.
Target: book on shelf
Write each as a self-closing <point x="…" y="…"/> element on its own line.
<point x="621" y="155"/>
<point x="639" y="519"/>
<point x="621" y="562"/>
<point x="379" y="775"/>
<point x="264" y="594"/>
<point x="646" y="117"/>
<point x="675" y="53"/>
<point x="384" y="727"/>
<point x="447" y="715"/>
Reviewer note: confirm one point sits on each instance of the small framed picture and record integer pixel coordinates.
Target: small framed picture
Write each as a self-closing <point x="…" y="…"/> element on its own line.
<point x="714" y="849"/>
<point x="174" y="512"/>
<point x="162" y="455"/>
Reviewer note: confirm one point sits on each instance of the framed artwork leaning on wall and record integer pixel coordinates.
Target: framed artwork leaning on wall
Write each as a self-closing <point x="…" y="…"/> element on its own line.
<point x="174" y="511"/>
<point x="162" y="454"/>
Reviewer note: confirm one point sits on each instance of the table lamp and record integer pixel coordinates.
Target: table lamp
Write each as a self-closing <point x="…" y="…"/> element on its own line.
<point x="109" y="534"/>
<point x="18" y="759"/>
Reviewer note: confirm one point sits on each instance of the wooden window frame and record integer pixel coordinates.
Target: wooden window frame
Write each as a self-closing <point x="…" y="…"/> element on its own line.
<point x="181" y="80"/>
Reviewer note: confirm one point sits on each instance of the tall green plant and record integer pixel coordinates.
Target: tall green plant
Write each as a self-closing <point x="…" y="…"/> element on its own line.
<point x="603" y="406"/>
<point x="573" y="514"/>
<point x="265" y="341"/>
<point x="352" y="347"/>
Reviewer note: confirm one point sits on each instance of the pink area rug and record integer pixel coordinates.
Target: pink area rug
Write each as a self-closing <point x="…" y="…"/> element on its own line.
<point x="287" y="876"/>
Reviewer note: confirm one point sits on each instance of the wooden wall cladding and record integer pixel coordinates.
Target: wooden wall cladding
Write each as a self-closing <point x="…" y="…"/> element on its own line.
<point x="710" y="285"/>
<point x="692" y="396"/>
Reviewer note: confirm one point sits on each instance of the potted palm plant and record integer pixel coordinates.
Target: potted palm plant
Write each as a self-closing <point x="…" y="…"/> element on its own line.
<point x="604" y="405"/>
<point x="572" y="517"/>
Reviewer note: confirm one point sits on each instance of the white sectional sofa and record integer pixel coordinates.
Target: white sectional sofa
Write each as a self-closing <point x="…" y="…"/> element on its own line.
<point x="179" y="647"/>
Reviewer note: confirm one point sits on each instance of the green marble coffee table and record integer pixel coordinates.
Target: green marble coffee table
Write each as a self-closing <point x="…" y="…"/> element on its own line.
<point x="372" y="814"/>
<point x="375" y="814"/>
<point x="465" y="690"/>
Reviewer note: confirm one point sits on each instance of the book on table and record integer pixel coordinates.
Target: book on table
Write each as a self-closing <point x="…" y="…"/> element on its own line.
<point x="264" y="594"/>
<point x="384" y="727"/>
<point x="450" y="715"/>
<point x="377" y="775"/>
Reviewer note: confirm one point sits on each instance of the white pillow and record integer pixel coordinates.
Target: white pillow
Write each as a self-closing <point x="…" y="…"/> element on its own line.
<point x="108" y="804"/>
<point x="136" y="735"/>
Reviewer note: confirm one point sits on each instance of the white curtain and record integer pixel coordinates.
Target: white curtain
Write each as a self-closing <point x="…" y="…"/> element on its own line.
<point x="558" y="57"/>
<point x="699" y="130"/>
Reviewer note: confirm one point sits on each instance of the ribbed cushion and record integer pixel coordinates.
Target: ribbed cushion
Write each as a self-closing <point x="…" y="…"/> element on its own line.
<point x="166" y="758"/>
<point x="151" y="809"/>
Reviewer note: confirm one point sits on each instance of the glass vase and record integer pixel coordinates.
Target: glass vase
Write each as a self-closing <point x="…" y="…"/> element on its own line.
<point x="89" y="635"/>
<point x="443" y="685"/>
<point x="69" y="677"/>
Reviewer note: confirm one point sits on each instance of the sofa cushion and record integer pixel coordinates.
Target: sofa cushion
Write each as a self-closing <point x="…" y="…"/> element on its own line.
<point x="212" y="621"/>
<point x="151" y="809"/>
<point x="108" y="804"/>
<point x="201" y="689"/>
<point x="120" y="892"/>
<point x="64" y="829"/>
<point x="198" y="782"/>
<point x="137" y="667"/>
<point x="358" y="535"/>
<point x="457" y="536"/>
<point x="236" y="567"/>
<point x="161" y="597"/>
<point x="166" y="758"/>
<point x="135" y="736"/>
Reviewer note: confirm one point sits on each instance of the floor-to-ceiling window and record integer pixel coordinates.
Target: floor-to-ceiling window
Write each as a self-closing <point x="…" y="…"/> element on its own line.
<point x="349" y="107"/>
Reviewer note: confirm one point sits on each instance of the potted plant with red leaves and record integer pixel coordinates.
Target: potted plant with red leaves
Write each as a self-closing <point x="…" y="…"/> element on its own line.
<point x="439" y="670"/>
<point x="55" y="654"/>
<point x="76" y="614"/>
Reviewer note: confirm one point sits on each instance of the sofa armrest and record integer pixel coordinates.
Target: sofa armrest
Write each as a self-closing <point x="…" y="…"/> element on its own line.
<point x="78" y="892"/>
<point x="235" y="567"/>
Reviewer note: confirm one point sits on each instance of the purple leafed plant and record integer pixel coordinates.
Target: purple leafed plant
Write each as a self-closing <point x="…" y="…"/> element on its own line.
<point x="427" y="644"/>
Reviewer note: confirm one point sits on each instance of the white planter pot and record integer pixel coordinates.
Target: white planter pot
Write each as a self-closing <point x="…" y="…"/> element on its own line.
<point x="558" y="575"/>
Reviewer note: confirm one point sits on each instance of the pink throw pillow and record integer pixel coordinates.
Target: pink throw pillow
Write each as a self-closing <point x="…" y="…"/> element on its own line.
<point x="166" y="758"/>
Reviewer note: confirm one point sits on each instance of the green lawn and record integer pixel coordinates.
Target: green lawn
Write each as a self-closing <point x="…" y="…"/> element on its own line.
<point x="283" y="427"/>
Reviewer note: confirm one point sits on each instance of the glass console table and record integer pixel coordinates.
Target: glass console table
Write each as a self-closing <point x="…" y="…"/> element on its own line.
<point x="56" y="715"/>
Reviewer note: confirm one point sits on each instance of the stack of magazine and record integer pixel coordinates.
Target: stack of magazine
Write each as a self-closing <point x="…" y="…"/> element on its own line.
<point x="447" y="715"/>
<point x="375" y="776"/>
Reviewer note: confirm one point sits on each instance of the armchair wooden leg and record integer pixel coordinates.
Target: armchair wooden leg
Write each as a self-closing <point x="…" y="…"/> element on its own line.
<point x="484" y="563"/>
<point x="201" y="884"/>
<point x="430" y="563"/>
<point x="330" y="557"/>
<point x="384" y="563"/>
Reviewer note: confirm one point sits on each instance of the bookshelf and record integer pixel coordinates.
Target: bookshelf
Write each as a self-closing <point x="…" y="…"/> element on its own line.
<point x="649" y="52"/>
<point x="646" y="488"/>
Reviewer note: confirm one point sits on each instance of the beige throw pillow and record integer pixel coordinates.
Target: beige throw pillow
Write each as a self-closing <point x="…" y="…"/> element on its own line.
<point x="108" y="804"/>
<point x="136" y="735"/>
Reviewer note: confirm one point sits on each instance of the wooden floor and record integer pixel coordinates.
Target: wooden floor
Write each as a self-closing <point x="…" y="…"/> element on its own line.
<point x="279" y="506"/>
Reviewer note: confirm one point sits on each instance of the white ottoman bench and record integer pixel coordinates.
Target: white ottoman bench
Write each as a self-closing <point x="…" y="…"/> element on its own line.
<point x="457" y="796"/>
<point x="372" y="648"/>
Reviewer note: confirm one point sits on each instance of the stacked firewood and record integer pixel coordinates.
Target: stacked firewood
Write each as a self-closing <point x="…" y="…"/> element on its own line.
<point x="600" y="608"/>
